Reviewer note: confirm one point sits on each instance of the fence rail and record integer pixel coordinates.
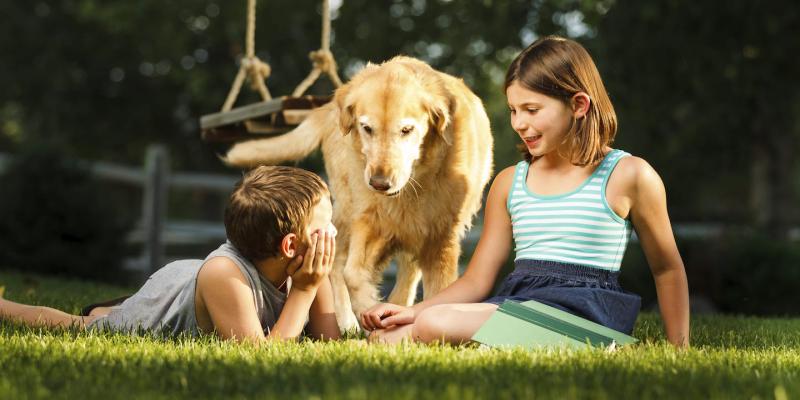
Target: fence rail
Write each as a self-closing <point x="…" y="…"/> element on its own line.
<point x="155" y="230"/>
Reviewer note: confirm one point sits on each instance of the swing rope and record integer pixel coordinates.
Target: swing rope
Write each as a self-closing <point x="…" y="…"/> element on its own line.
<point x="250" y="65"/>
<point x="257" y="71"/>
<point x="322" y="59"/>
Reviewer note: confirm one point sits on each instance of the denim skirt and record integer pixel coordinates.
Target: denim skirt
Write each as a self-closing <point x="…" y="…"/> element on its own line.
<point x="587" y="292"/>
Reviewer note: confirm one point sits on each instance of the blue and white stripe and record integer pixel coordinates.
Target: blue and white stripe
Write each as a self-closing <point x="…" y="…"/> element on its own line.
<point x="577" y="227"/>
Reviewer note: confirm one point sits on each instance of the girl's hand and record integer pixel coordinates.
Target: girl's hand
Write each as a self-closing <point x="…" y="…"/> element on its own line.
<point x="317" y="262"/>
<point x="384" y="315"/>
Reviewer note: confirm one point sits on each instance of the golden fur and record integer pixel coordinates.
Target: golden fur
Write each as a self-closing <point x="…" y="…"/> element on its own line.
<point x="408" y="152"/>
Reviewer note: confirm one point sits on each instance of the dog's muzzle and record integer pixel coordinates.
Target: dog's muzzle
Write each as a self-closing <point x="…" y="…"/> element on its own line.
<point x="380" y="183"/>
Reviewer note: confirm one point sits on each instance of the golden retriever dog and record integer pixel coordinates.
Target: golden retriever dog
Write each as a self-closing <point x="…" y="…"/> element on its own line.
<point x="408" y="152"/>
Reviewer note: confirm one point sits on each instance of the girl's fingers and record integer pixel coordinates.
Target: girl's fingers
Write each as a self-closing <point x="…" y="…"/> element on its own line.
<point x="363" y="320"/>
<point x="375" y="320"/>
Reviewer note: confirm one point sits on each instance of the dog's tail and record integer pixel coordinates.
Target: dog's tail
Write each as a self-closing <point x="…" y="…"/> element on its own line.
<point x="293" y="145"/>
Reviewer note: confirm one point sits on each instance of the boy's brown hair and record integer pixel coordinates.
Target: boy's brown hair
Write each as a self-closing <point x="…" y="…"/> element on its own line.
<point x="268" y="203"/>
<point x="560" y="68"/>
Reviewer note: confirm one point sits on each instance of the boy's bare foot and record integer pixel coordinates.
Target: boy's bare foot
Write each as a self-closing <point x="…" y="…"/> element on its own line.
<point x="99" y="311"/>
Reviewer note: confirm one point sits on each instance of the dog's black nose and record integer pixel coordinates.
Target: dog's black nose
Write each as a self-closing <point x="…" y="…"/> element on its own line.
<point x="380" y="182"/>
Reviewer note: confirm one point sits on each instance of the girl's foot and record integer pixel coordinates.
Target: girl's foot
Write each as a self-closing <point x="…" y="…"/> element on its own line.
<point x="393" y="335"/>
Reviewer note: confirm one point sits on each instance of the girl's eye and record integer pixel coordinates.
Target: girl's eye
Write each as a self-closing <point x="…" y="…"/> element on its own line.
<point x="532" y="110"/>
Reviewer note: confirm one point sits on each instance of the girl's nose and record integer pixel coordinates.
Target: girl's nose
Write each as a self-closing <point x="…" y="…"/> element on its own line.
<point x="518" y="124"/>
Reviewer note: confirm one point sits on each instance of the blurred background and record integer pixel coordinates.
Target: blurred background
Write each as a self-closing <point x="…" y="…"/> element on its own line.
<point x="104" y="174"/>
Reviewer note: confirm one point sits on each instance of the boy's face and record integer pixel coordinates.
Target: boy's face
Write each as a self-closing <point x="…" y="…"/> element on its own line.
<point x="320" y="220"/>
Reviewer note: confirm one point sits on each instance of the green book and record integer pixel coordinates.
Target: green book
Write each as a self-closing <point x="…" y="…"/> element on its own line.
<point x="534" y="325"/>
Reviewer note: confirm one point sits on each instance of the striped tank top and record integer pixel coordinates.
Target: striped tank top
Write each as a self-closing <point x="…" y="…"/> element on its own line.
<point x="577" y="227"/>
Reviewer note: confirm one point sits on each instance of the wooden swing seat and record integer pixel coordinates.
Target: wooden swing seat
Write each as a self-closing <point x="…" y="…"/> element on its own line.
<point x="270" y="117"/>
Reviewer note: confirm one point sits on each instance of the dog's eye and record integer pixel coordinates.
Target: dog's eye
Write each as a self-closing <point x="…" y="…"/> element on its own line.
<point x="367" y="129"/>
<point x="407" y="129"/>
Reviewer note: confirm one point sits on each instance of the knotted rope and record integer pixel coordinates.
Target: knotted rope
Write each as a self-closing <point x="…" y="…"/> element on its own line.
<point x="322" y="59"/>
<point x="250" y="66"/>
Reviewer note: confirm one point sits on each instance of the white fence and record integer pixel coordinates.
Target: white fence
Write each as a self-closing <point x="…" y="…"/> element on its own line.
<point x="154" y="230"/>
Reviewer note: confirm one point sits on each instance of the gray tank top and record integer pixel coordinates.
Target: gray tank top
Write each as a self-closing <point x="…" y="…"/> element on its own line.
<point x="166" y="301"/>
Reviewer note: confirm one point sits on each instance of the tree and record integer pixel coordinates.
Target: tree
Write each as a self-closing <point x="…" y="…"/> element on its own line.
<point x="710" y="91"/>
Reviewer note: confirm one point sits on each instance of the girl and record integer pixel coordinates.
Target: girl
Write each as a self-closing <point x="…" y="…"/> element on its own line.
<point x="568" y="207"/>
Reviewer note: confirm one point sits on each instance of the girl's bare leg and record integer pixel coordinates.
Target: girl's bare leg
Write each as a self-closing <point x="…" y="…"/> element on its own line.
<point x="39" y="316"/>
<point x="450" y="323"/>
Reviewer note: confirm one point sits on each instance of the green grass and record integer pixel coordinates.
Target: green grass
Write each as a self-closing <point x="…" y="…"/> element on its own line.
<point x="731" y="357"/>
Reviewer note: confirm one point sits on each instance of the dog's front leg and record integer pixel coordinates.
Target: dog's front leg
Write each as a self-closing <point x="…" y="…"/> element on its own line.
<point x="341" y="296"/>
<point x="368" y="253"/>
<point x="408" y="276"/>
<point x="439" y="264"/>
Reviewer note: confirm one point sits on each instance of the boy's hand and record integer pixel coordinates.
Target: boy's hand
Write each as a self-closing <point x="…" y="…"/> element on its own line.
<point x="317" y="262"/>
<point x="384" y="315"/>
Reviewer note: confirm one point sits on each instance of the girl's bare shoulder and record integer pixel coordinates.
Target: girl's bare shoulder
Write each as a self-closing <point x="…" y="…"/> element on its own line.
<point x="635" y="174"/>
<point x="503" y="179"/>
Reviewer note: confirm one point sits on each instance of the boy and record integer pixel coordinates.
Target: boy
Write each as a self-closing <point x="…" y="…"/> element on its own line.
<point x="278" y="224"/>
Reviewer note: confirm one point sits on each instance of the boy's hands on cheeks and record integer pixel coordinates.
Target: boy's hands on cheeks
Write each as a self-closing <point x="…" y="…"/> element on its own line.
<point x="384" y="315"/>
<point x="316" y="263"/>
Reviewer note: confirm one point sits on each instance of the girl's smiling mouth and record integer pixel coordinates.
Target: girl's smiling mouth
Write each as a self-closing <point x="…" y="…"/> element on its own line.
<point x="532" y="140"/>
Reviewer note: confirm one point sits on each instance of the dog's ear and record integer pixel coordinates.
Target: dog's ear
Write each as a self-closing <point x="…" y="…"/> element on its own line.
<point x="440" y="111"/>
<point x="346" y="110"/>
<point x="346" y="119"/>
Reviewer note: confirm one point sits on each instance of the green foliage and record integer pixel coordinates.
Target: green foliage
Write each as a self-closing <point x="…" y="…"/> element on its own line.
<point x="54" y="218"/>
<point x="732" y="358"/>
<point x="759" y="275"/>
<point x="704" y="91"/>
<point x="739" y="274"/>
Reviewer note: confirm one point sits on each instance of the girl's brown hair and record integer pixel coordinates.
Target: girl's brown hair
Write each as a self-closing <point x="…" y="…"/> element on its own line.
<point x="560" y="68"/>
<point x="268" y="204"/>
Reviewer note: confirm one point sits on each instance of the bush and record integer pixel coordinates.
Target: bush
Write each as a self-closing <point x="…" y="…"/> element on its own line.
<point x="744" y="274"/>
<point x="760" y="276"/>
<point x="54" y="220"/>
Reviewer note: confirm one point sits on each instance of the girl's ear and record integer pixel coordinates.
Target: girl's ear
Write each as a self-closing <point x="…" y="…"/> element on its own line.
<point x="580" y="104"/>
<point x="289" y="245"/>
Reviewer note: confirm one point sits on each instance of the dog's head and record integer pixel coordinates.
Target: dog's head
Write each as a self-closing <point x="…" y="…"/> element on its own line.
<point x="395" y="111"/>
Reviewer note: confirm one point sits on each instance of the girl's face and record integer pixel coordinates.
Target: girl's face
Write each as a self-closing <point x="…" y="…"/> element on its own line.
<point x="540" y="121"/>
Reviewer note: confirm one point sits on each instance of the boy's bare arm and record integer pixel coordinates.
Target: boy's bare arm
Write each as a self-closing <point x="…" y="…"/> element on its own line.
<point x="322" y="317"/>
<point x="306" y="282"/>
<point x="228" y="299"/>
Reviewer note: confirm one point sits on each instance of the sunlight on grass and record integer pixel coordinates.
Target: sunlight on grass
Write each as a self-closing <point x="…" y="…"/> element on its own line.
<point x="741" y="357"/>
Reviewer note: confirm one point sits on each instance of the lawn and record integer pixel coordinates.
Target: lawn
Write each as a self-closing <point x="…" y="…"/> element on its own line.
<point x="731" y="357"/>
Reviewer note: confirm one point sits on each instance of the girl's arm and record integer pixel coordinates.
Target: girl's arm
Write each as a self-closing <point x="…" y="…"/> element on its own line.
<point x="477" y="282"/>
<point x="651" y="221"/>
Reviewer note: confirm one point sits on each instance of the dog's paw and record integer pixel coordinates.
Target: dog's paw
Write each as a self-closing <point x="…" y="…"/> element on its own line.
<point x="348" y="322"/>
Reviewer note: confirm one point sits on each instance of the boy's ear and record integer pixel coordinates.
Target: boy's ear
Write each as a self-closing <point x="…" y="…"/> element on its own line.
<point x="289" y="245"/>
<point x="580" y="104"/>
